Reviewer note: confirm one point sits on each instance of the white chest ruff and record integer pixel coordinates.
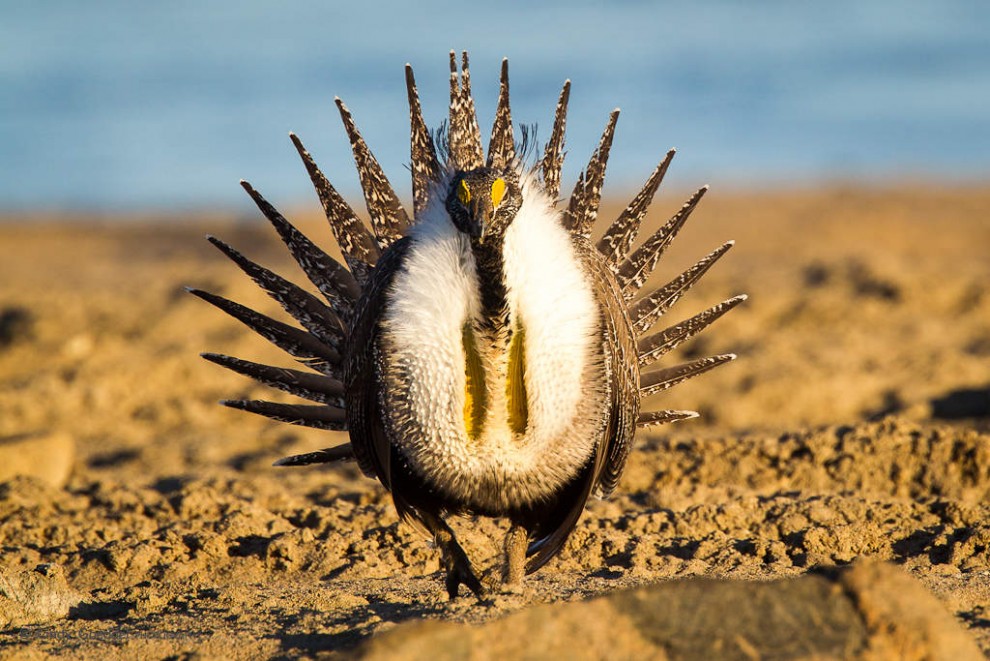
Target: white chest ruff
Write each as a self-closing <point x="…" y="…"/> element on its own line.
<point x="428" y="304"/>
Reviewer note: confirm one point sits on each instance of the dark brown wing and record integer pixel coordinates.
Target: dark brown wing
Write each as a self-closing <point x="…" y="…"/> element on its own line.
<point x="361" y="383"/>
<point x="621" y="354"/>
<point x="619" y="420"/>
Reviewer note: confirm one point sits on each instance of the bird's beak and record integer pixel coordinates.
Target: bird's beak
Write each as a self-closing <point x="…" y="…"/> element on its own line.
<point x="481" y="217"/>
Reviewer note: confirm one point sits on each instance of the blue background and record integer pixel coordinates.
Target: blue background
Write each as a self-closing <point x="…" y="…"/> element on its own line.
<point x="126" y="105"/>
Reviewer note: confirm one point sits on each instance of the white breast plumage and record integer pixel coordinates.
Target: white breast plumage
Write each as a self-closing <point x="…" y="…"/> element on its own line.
<point x="432" y="298"/>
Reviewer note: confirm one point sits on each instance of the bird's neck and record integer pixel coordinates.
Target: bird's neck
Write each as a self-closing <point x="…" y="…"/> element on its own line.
<point x="500" y="388"/>
<point x="490" y="264"/>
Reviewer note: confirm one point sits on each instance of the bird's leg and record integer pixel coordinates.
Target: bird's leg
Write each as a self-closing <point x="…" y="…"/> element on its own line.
<point x="516" y="543"/>
<point x="455" y="562"/>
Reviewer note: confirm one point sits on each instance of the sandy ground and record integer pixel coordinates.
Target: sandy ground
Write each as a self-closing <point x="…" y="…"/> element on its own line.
<point x="856" y="423"/>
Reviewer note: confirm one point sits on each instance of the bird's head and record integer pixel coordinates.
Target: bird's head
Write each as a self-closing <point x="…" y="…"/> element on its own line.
<point x="482" y="203"/>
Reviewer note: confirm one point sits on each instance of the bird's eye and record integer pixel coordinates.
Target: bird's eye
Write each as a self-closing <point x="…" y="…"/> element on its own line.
<point x="498" y="191"/>
<point x="463" y="193"/>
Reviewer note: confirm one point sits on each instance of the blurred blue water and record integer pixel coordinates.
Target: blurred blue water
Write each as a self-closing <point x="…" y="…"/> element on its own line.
<point x="118" y="105"/>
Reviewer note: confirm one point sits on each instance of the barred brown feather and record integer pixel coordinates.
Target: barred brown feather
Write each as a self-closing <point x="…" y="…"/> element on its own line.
<point x="634" y="272"/>
<point x="502" y="146"/>
<point x="618" y="239"/>
<point x="653" y="346"/>
<point x="335" y="282"/>
<point x="583" y="207"/>
<point x="553" y="155"/>
<point x="425" y="168"/>
<point x="647" y="310"/>
<point x="464" y="137"/>
<point x="314" y="387"/>
<point x="388" y="218"/>
<point x="357" y="243"/>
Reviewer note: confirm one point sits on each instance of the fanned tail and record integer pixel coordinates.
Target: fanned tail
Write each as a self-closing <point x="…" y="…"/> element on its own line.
<point x="629" y="268"/>
<point x="321" y="321"/>
<point x="319" y="343"/>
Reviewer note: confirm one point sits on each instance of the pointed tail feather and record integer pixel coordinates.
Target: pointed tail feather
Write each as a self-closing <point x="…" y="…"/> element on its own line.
<point x="658" y="344"/>
<point x="553" y="155"/>
<point x="618" y="239"/>
<point x="332" y="455"/>
<point x="634" y="272"/>
<point x="502" y="146"/>
<point x="293" y="340"/>
<point x="464" y="136"/>
<point x="314" y="387"/>
<point x="357" y="244"/>
<point x="425" y="168"/>
<point x="651" y="383"/>
<point x="583" y="207"/>
<point x="646" y="311"/>
<point x="305" y="308"/>
<point x="471" y="115"/>
<point x="654" y="418"/>
<point x="388" y="218"/>
<point x="334" y="281"/>
<point x="319" y="417"/>
<point x="455" y="132"/>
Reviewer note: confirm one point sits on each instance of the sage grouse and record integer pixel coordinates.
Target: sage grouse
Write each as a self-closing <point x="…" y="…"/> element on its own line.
<point x="485" y="355"/>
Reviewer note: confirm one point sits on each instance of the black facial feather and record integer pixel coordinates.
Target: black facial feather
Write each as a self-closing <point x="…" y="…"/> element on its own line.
<point x="472" y="209"/>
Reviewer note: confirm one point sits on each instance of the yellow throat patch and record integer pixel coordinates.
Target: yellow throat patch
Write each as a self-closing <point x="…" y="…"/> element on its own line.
<point x="476" y="394"/>
<point x="515" y="383"/>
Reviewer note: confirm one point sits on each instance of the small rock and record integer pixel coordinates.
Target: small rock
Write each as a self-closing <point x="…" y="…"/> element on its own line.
<point x="78" y="346"/>
<point x="868" y="610"/>
<point x="46" y="456"/>
<point x="32" y="597"/>
<point x="16" y="323"/>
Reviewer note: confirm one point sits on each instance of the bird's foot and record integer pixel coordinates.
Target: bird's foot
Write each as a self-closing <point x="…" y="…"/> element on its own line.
<point x="493" y="579"/>
<point x="516" y="543"/>
<point x="457" y="567"/>
<point x="507" y="578"/>
<point x="459" y="572"/>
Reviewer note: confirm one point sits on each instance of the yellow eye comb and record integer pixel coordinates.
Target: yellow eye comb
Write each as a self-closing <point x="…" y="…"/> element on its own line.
<point x="498" y="191"/>
<point x="464" y="193"/>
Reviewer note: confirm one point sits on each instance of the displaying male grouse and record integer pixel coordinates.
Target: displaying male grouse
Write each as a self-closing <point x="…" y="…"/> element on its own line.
<point x="486" y="356"/>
